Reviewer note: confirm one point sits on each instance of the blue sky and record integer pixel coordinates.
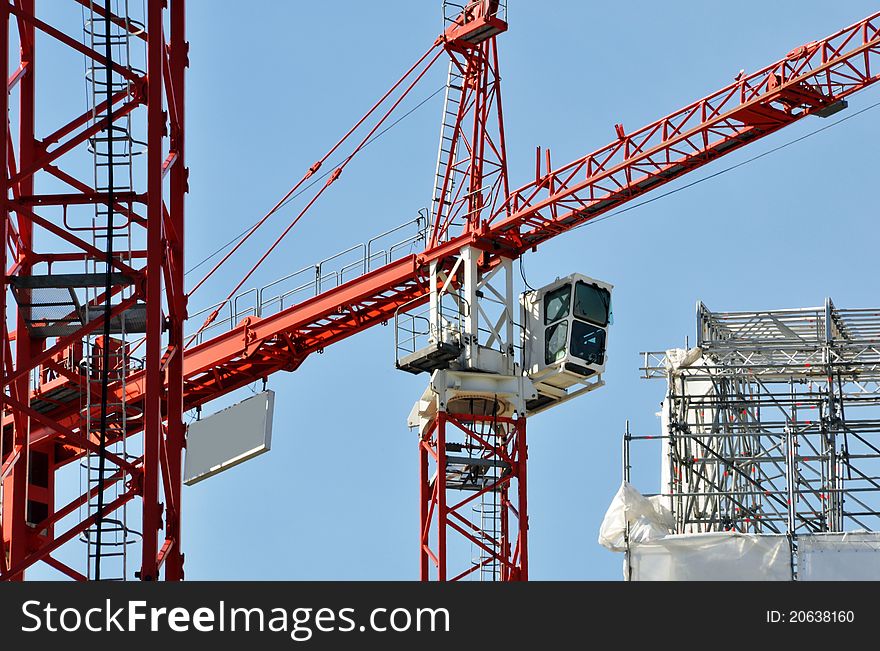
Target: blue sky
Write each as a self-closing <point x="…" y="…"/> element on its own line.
<point x="270" y="89"/>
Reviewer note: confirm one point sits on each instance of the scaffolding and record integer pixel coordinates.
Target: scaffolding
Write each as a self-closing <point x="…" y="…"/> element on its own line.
<point x="771" y="424"/>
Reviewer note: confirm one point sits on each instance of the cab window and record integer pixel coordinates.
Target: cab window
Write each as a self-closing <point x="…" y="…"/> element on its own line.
<point x="592" y="303"/>
<point x="557" y="304"/>
<point x="588" y="342"/>
<point x="555" y="342"/>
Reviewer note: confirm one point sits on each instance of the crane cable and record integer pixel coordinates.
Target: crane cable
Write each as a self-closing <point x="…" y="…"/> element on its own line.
<point x="318" y="179"/>
<point x="317" y="165"/>
<point x="293" y="194"/>
<point x="330" y="180"/>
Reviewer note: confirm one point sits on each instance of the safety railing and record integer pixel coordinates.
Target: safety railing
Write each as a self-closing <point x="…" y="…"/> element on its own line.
<point x="414" y="329"/>
<point x="310" y="281"/>
<point x="452" y="10"/>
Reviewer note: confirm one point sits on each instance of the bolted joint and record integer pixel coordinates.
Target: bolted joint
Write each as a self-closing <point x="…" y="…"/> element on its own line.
<point x="139" y="91"/>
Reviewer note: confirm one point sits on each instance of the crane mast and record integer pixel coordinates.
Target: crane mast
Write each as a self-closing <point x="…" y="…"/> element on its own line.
<point x="453" y="304"/>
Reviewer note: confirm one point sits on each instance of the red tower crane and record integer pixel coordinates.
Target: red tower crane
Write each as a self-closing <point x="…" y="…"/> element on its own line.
<point x="73" y="388"/>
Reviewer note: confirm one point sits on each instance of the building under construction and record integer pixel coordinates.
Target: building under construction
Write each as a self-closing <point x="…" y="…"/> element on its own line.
<point x="770" y="431"/>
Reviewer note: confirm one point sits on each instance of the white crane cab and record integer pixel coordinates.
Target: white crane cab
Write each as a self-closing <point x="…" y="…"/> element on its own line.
<point x="565" y="337"/>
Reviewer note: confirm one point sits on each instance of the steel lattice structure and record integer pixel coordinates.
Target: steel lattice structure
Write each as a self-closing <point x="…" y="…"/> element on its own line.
<point x="473" y="210"/>
<point x="772" y="423"/>
<point x="496" y="527"/>
<point x="46" y="250"/>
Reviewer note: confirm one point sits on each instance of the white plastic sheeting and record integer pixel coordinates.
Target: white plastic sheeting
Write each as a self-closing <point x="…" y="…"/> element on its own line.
<point x="853" y="556"/>
<point x="647" y="518"/>
<point x="726" y="556"/>
<point x="678" y="358"/>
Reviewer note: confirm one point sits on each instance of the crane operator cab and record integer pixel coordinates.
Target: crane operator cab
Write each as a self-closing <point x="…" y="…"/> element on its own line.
<point x="565" y="338"/>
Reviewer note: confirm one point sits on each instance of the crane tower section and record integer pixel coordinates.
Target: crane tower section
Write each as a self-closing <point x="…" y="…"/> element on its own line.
<point x="471" y="419"/>
<point x="58" y="360"/>
<point x="94" y="267"/>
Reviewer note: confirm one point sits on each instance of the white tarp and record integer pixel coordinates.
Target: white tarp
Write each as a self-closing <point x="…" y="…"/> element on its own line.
<point x="681" y="365"/>
<point x="647" y="518"/>
<point x="679" y="358"/>
<point x="853" y="556"/>
<point x="726" y="556"/>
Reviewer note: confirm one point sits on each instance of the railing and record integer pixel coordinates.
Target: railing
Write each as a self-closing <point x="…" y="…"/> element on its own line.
<point x="310" y="281"/>
<point x="452" y="10"/>
<point x="80" y="358"/>
<point x="414" y="331"/>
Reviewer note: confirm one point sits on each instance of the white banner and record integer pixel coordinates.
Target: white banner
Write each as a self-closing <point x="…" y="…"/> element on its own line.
<point x="726" y="556"/>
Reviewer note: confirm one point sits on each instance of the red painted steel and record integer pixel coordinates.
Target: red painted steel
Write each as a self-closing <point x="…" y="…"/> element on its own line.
<point x="808" y="81"/>
<point x="30" y="516"/>
<point x="474" y="167"/>
<point x="553" y="204"/>
<point x="446" y="510"/>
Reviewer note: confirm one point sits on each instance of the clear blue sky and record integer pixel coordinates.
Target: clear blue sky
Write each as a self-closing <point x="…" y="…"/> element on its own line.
<point x="270" y="89"/>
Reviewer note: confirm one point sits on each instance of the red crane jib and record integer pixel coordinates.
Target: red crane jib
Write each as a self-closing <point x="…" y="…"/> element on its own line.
<point x="811" y="80"/>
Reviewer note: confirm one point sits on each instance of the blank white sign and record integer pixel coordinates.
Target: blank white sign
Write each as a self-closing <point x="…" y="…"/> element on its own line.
<point x="229" y="437"/>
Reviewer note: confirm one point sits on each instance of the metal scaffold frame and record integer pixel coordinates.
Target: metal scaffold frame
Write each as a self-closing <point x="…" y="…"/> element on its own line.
<point x="771" y="424"/>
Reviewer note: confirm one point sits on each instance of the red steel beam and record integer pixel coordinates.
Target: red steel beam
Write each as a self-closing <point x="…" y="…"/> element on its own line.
<point x="6" y="153"/>
<point x="665" y="150"/>
<point x="153" y="380"/>
<point x="806" y="82"/>
<point x="64" y="569"/>
<point x="16" y="485"/>
<point x="170" y="554"/>
<point x="58" y="434"/>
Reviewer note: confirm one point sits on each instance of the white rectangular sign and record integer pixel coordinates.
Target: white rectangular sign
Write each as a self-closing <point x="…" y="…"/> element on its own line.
<point x="229" y="437"/>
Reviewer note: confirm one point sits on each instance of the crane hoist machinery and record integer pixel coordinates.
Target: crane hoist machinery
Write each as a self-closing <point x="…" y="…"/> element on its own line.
<point x="98" y="368"/>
